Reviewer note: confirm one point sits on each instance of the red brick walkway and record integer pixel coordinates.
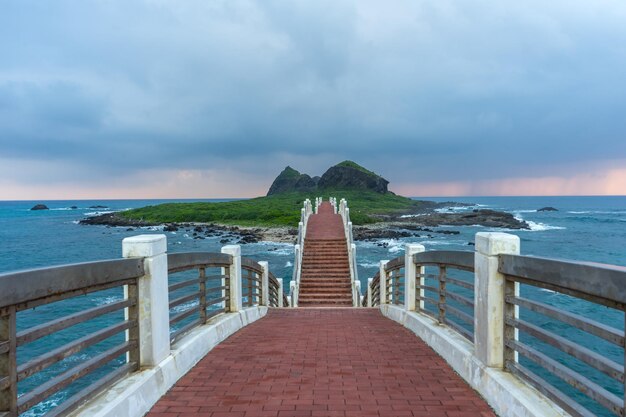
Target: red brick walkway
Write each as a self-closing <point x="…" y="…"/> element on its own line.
<point x="321" y="362"/>
<point x="325" y="279"/>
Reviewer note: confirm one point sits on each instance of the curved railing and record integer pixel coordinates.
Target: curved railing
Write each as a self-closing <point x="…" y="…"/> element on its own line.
<point x="72" y="347"/>
<point x="305" y="213"/>
<point x="597" y="373"/>
<point x="574" y="356"/>
<point x="42" y="371"/>
<point x="344" y="211"/>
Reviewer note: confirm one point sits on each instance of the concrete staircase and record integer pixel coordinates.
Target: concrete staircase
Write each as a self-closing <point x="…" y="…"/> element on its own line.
<point x="325" y="279"/>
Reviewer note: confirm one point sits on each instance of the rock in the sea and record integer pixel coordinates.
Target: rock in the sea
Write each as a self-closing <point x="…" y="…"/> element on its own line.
<point x="548" y="209"/>
<point x="73" y="207"/>
<point x="40" y="207"/>
<point x="98" y="207"/>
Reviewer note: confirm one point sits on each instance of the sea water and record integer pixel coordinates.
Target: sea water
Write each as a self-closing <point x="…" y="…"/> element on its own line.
<point x="583" y="228"/>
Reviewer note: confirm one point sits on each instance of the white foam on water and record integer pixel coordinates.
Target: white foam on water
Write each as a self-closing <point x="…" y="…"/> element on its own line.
<point x="98" y="213"/>
<point x="106" y="300"/>
<point x="534" y="226"/>
<point x="153" y="228"/>
<point x="525" y="211"/>
<point x="185" y="306"/>
<point x="369" y="264"/>
<point x="288" y="264"/>
<point x="407" y="216"/>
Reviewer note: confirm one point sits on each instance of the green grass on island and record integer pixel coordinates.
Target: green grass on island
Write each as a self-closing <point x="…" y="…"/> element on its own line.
<point x="273" y="211"/>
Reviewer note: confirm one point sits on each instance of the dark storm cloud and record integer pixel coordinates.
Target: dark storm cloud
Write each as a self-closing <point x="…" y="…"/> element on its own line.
<point x="449" y="90"/>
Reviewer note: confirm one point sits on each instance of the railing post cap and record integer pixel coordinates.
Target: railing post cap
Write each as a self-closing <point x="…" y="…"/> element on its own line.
<point x="234" y="250"/>
<point x="411" y="248"/>
<point x="264" y="264"/>
<point x="384" y="262"/>
<point x="494" y="243"/>
<point x="144" y="245"/>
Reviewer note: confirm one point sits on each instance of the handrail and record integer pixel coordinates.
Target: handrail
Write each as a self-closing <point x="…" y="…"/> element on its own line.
<point x="305" y="213"/>
<point x="29" y="288"/>
<point x="127" y="336"/>
<point x="599" y="283"/>
<point x="25" y="290"/>
<point x="449" y="297"/>
<point x="344" y="211"/>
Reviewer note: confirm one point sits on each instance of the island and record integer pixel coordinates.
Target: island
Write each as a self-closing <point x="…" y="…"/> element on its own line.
<point x="375" y="211"/>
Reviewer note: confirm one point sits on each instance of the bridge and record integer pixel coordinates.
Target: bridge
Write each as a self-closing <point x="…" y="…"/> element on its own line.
<point x="436" y="333"/>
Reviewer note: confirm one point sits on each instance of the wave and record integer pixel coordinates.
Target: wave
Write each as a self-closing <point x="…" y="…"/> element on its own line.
<point x="98" y="213"/>
<point x="598" y="212"/>
<point x="288" y="264"/>
<point x="524" y="211"/>
<point x="369" y="264"/>
<point x="536" y="226"/>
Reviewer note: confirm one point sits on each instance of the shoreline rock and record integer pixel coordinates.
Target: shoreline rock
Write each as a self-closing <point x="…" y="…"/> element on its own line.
<point x="394" y="227"/>
<point x="39" y="207"/>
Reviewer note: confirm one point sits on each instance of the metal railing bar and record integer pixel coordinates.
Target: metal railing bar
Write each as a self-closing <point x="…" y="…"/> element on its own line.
<point x="36" y="332"/>
<point x="460" y="329"/>
<point x="4" y="347"/>
<point x="5" y="383"/>
<point x="214" y="301"/>
<point x="453" y="259"/>
<point x="211" y="289"/>
<point x="548" y="390"/>
<point x="595" y="328"/>
<point x="180" y="332"/>
<point x="602" y="364"/>
<point x="460" y="299"/>
<point x="604" y="284"/>
<point x="460" y="314"/>
<point x="89" y="392"/>
<point x="66" y="295"/>
<point x="182" y="300"/>
<point x="428" y="300"/>
<point x="44" y="361"/>
<point x="581" y="383"/>
<point x="45" y="283"/>
<point x="460" y="283"/>
<point x="182" y="284"/>
<point x="184" y="314"/>
<point x="428" y="288"/>
<point x="61" y="381"/>
<point x="178" y="262"/>
<point x="427" y="276"/>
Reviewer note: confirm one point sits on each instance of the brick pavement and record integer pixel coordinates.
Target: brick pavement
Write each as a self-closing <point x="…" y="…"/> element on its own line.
<point x="321" y="362"/>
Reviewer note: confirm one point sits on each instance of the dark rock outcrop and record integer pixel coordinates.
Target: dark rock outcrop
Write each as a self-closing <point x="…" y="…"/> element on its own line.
<point x="349" y="175"/>
<point x="346" y="175"/>
<point x="40" y="207"/>
<point x="290" y="180"/>
<point x="548" y="209"/>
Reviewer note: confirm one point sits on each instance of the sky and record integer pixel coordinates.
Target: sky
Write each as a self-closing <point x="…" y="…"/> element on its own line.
<point x="213" y="98"/>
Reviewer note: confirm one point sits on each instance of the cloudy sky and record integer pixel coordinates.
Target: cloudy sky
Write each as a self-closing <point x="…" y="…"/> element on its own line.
<point x="212" y="98"/>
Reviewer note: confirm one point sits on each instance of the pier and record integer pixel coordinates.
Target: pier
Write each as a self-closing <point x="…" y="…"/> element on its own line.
<point x="434" y="333"/>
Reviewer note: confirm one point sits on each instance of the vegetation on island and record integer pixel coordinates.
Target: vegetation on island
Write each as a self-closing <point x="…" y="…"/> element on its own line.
<point x="366" y="192"/>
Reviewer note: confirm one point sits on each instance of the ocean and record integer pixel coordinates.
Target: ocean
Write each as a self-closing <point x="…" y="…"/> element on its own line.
<point x="583" y="228"/>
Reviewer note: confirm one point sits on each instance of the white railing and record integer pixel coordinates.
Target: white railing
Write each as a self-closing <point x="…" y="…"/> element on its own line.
<point x="305" y="213"/>
<point x="344" y="211"/>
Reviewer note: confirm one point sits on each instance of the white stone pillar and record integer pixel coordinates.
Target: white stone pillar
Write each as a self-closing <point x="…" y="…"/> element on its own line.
<point x="410" y="272"/>
<point x="235" y="301"/>
<point x="280" y="292"/>
<point x="383" y="281"/>
<point x="489" y="295"/>
<point x="265" y="283"/>
<point x="152" y="295"/>
<point x="301" y="231"/>
<point x="369" y="291"/>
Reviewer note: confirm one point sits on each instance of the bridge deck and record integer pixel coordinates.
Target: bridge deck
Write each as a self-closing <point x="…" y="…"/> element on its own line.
<point x="321" y="362"/>
<point x="325" y="279"/>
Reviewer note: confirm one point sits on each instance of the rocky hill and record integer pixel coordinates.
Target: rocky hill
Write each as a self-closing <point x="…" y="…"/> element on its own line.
<point x="346" y="175"/>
